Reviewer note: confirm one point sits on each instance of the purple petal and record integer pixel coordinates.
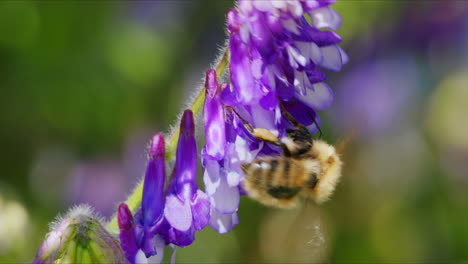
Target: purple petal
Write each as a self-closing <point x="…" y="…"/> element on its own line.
<point x="160" y="244"/>
<point x="310" y="50"/>
<point x="295" y="8"/>
<point x="226" y="198"/>
<point x="238" y="128"/>
<point x="285" y="91"/>
<point x="140" y="258"/>
<point x="319" y="37"/>
<point x="211" y="83"/>
<point x="296" y="59"/>
<point x="301" y="112"/>
<point x="319" y="97"/>
<point x="262" y="38"/>
<point x="200" y="210"/>
<point x="233" y="20"/>
<point x="233" y="177"/>
<point x="313" y="4"/>
<point x="257" y="68"/>
<point x="223" y="223"/>
<point x="314" y="127"/>
<point x="153" y="189"/>
<point x="147" y="244"/>
<point x="332" y="57"/>
<point x="177" y="237"/>
<point x="185" y="169"/>
<point x="301" y="82"/>
<point x="325" y="17"/>
<point x="213" y="116"/>
<point x="211" y="175"/>
<point x="127" y="233"/>
<point x="291" y="25"/>
<point x="232" y="167"/>
<point x="344" y="56"/>
<point x="315" y="75"/>
<point x="263" y="118"/>
<point x="269" y="101"/>
<point x="228" y="95"/>
<point x="264" y="6"/>
<point x="240" y="69"/>
<point x="177" y="213"/>
<point x="244" y="151"/>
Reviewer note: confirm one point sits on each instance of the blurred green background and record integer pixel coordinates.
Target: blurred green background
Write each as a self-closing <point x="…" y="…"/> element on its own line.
<point x="84" y="84"/>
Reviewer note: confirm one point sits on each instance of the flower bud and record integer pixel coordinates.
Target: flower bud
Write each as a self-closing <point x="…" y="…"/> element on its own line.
<point x="80" y="237"/>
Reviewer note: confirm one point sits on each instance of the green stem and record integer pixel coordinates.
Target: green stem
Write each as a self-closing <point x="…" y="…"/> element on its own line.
<point x="134" y="200"/>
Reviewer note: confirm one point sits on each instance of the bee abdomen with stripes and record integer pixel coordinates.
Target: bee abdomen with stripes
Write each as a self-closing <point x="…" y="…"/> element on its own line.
<point x="280" y="181"/>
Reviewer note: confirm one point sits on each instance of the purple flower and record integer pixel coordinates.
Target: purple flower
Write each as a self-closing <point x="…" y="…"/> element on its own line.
<point x="276" y="52"/>
<point x="371" y="99"/>
<point x="224" y="196"/>
<point x="275" y="66"/>
<point x="152" y="205"/>
<point x="213" y="117"/>
<point x="127" y="232"/>
<point x="128" y="238"/>
<point x="139" y="234"/>
<point x="222" y="172"/>
<point x="187" y="208"/>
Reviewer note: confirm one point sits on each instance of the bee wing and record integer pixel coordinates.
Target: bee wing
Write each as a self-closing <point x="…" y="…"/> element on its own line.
<point x="294" y="236"/>
<point x="342" y="144"/>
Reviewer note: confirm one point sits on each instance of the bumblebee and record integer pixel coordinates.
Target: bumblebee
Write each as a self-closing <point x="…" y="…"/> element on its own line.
<point x="307" y="168"/>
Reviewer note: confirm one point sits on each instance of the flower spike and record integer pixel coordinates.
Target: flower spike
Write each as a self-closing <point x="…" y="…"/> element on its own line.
<point x="187" y="208"/>
<point x="152" y="206"/>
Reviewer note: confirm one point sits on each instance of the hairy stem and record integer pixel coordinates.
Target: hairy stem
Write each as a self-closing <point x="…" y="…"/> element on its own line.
<point x="134" y="199"/>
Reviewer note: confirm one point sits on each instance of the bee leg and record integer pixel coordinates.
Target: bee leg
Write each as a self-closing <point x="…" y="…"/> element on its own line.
<point x="263" y="134"/>
<point x="298" y="125"/>
<point x="259" y="133"/>
<point x="267" y="136"/>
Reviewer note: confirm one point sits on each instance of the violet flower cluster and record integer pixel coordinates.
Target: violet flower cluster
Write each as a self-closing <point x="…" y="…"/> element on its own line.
<point x="277" y="52"/>
<point x="170" y="215"/>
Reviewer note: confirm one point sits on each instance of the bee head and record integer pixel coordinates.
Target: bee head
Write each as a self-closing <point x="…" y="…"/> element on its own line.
<point x="300" y="135"/>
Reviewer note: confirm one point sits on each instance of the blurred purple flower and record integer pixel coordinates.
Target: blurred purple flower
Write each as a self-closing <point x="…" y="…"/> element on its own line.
<point x="87" y="181"/>
<point x="436" y="22"/>
<point x="371" y="99"/>
<point x="187" y="208"/>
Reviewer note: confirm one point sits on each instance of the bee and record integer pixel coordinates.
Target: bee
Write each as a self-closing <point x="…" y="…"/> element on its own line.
<point x="307" y="168"/>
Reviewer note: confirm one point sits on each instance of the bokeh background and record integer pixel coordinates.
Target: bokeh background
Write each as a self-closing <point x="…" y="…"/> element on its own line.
<point x="84" y="84"/>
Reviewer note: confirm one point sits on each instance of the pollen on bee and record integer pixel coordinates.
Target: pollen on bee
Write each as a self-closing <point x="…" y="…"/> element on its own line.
<point x="265" y="134"/>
